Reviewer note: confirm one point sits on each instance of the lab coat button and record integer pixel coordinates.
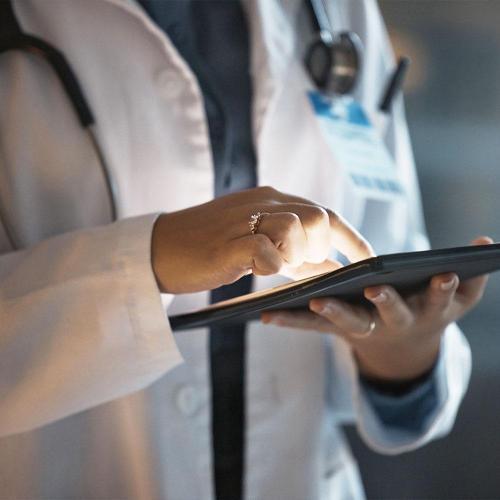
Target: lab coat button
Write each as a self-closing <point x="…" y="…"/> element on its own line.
<point x="169" y="83"/>
<point x="188" y="400"/>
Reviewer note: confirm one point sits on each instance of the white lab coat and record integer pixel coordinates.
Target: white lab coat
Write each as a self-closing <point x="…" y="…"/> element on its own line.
<point x="98" y="399"/>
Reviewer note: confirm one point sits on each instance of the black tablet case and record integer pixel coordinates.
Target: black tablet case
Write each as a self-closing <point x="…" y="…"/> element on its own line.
<point x="407" y="272"/>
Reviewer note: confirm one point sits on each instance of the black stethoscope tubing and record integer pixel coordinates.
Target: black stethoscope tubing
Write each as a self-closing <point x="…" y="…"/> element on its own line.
<point x="73" y="90"/>
<point x="67" y="77"/>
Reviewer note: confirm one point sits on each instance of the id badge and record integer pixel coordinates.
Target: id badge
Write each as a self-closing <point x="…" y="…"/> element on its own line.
<point x="357" y="147"/>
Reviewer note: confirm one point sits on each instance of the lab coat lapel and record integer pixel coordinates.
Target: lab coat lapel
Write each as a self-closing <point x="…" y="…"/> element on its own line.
<point x="272" y="47"/>
<point x="272" y="44"/>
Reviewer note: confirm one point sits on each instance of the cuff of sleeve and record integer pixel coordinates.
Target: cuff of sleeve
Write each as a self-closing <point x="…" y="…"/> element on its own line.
<point x="451" y="376"/>
<point x="156" y="346"/>
<point x="408" y="410"/>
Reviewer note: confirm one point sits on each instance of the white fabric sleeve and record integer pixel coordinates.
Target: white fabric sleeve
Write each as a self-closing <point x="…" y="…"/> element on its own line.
<point x="81" y="322"/>
<point x="452" y="375"/>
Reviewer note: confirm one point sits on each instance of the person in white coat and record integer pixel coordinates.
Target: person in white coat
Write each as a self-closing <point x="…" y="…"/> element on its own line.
<point x="98" y="398"/>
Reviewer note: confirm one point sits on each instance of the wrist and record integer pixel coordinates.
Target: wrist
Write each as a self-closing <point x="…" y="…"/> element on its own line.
<point x="158" y="251"/>
<point x="398" y="364"/>
<point x="397" y="388"/>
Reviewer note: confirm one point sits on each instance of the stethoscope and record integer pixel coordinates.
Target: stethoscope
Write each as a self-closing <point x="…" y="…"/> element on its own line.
<point x="332" y="60"/>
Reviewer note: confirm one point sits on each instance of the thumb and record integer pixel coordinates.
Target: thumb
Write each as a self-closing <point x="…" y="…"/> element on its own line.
<point x="482" y="240"/>
<point x="470" y="291"/>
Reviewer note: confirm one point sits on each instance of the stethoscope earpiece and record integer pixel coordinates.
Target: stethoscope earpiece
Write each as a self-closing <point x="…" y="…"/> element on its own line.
<point x="334" y="62"/>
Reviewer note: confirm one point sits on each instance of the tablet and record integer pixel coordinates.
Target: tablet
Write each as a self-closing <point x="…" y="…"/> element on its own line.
<point x="407" y="272"/>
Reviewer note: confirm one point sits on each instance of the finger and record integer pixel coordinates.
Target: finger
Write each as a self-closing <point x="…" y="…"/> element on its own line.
<point x="285" y="230"/>
<point x="255" y="252"/>
<point x="326" y="229"/>
<point x="342" y="235"/>
<point x="346" y="319"/>
<point x="471" y="291"/>
<point x="316" y="227"/>
<point x="482" y="240"/>
<point x="439" y="295"/>
<point x="391" y="308"/>
<point x="347" y="240"/>
<point x="307" y="270"/>
<point x="301" y="319"/>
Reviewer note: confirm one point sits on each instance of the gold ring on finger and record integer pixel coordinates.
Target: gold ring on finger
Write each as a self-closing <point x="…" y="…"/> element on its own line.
<point x="367" y="332"/>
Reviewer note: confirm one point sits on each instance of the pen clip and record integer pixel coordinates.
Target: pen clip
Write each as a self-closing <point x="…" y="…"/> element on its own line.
<point x="394" y="84"/>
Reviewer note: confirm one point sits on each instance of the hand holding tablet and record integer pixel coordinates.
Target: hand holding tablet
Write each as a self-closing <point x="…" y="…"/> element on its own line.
<point x="408" y="273"/>
<point x="392" y="309"/>
<point x="399" y="339"/>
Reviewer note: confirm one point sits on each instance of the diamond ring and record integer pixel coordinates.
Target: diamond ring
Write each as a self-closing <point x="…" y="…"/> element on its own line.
<point x="255" y="220"/>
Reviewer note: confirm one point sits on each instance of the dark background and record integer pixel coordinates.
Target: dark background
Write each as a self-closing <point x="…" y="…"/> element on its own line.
<point x="453" y="110"/>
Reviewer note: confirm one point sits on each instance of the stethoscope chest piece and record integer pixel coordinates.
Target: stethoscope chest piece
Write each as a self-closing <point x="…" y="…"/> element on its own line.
<point x="334" y="61"/>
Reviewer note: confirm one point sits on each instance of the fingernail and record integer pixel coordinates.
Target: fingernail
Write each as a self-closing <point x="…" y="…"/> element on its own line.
<point x="325" y="308"/>
<point x="447" y="285"/>
<point x="379" y="298"/>
<point x="275" y="319"/>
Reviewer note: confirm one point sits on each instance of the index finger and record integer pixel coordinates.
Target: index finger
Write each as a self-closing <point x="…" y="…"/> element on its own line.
<point x="344" y="237"/>
<point x="347" y="240"/>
